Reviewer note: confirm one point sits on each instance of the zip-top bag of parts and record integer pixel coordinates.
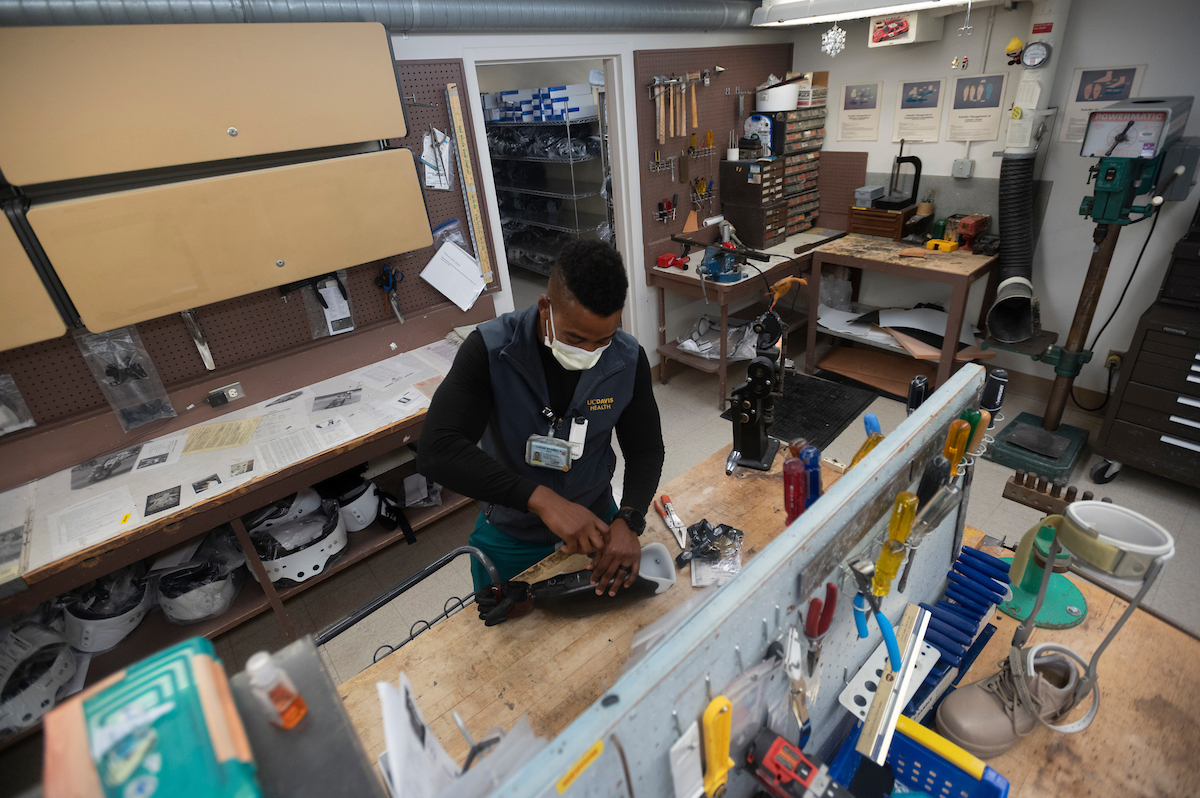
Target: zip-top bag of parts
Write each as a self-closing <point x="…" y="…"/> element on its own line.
<point x="164" y="726"/>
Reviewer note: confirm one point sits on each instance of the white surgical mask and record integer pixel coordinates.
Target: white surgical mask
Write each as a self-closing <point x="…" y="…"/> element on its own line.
<point x="572" y="358"/>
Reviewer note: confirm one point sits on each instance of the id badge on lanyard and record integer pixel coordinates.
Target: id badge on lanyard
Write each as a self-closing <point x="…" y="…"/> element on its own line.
<point x="548" y="451"/>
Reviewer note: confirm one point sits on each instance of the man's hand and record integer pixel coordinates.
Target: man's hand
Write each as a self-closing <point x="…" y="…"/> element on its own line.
<point x="621" y="557"/>
<point x="581" y="531"/>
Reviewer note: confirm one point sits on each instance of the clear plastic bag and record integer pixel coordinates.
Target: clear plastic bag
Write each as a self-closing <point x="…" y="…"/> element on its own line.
<point x="130" y="383"/>
<point x="111" y="595"/>
<point x="705" y="340"/>
<point x="14" y="413"/>
<point x="451" y="231"/>
<point x="205" y="585"/>
<point x="325" y="319"/>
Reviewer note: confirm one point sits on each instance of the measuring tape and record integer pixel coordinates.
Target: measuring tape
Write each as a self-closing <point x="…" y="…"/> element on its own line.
<point x="470" y="195"/>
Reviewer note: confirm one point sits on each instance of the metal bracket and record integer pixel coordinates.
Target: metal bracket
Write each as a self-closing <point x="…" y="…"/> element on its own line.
<point x="1066" y="363"/>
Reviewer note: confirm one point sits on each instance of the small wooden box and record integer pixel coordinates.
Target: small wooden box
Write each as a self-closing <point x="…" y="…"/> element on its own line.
<point x="879" y="222"/>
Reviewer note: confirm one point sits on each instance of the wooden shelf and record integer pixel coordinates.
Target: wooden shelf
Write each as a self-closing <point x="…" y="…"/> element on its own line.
<point x="156" y="632"/>
<point x="672" y="351"/>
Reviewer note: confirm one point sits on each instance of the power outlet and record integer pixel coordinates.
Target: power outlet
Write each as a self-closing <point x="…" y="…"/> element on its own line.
<point x="963" y="167"/>
<point x="225" y="395"/>
<point x="1114" y="359"/>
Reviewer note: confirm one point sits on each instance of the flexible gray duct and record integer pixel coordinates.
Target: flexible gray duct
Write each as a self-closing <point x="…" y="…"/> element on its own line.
<point x="397" y="15"/>
<point x="1014" y="317"/>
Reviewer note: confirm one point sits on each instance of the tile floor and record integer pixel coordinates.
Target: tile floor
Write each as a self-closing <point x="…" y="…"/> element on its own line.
<point x="693" y="430"/>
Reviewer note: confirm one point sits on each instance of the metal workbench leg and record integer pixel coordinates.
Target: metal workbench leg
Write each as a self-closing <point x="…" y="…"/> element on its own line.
<point x="814" y="301"/>
<point x="723" y="367"/>
<point x="958" y="309"/>
<point x="264" y="581"/>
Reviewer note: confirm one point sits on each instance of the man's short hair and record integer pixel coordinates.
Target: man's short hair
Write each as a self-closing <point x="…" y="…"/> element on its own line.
<point x="593" y="273"/>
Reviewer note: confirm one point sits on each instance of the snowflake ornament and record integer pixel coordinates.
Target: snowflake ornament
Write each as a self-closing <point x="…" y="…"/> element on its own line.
<point x="833" y="41"/>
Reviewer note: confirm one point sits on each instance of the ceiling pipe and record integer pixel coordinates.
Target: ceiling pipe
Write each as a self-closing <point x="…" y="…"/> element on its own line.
<point x="426" y="16"/>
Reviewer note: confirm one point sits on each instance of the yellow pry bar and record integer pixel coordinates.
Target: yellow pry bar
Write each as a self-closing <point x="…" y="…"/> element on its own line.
<point x="474" y="214"/>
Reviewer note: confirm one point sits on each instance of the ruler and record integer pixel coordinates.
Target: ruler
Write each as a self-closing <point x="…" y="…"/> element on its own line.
<point x="470" y="194"/>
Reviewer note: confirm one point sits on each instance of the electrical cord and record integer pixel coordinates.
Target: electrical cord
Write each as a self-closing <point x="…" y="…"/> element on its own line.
<point x="1111" y="316"/>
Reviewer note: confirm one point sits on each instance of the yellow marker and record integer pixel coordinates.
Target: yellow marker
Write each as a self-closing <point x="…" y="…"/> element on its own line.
<point x="125" y="518"/>
<point x="870" y="443"/>
<point x="903" y="513"/>
<point x="716" y="724"/>
<point x="956" y="443"/>
<point x="581" y="764"/>
<point x="709" y="140"/>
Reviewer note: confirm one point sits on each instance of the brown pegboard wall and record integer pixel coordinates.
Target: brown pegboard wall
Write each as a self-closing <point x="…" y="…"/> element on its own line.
<point x="57" y="385"/>
<point x="840" y="175"/>
<point x="746" y="66"/>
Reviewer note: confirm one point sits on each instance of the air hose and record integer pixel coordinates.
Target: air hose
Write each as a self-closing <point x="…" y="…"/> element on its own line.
<point x="1014" y="317"/>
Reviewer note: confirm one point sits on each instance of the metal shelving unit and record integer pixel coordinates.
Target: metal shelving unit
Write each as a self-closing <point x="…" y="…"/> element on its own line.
<point x="570" y="187"/>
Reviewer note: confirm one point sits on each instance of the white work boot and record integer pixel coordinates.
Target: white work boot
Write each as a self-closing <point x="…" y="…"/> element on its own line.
<point x="987" y="717"/>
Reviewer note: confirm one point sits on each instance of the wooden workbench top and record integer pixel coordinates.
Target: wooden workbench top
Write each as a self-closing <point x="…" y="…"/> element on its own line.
<point x="1145" y="740"/>
<point x="552" y="668"/>
<point x="877" y="249"/>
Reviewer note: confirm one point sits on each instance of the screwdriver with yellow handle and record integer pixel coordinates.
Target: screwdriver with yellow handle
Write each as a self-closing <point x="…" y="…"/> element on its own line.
<point x="904" y="510"/>
<point x="956" y="443"/>
<point x="873" y="440"/>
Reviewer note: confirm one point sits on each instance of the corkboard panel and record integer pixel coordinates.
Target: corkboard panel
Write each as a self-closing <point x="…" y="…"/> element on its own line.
<point x="55" y="381"/>
<point x="840" y="175"/>
<point x="746" y="66"/>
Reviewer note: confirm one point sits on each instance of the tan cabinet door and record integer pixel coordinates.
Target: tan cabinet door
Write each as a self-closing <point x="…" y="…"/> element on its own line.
<point x="29" y="315"/>
<point x="134" y="255"/>
<point x="105" y="99"/>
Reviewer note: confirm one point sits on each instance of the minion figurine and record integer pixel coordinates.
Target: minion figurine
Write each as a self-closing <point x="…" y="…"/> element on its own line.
<point x="1013" y="50"/>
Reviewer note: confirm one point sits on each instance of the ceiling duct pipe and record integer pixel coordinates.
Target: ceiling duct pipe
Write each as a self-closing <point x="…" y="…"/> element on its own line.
<point x="1015" y="316"/>
<point x="426" y="16"/>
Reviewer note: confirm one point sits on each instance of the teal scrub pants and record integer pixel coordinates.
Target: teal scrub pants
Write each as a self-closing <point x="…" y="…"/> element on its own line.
<point x="509" y="555"/>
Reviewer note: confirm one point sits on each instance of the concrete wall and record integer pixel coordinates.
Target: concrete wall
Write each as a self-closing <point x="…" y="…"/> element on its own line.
<point x="1098" y="33"/>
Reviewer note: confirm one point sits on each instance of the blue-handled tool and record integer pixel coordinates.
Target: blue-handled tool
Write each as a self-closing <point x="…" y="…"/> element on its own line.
<point x="871" y="422"/>
<point x="997" y="568"/>
<point x="866" y="599"/>
<point x="951" y="618"/>
<point x="388" y="279"/>
<point x="811" y="457"/>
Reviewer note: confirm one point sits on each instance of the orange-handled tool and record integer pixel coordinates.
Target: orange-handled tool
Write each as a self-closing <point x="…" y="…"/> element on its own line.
<point x="904" y="510"/>
<point x="956" y="443"/>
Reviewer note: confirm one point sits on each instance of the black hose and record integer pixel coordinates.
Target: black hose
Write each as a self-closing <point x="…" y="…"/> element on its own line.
<point x="1016" y="217"/>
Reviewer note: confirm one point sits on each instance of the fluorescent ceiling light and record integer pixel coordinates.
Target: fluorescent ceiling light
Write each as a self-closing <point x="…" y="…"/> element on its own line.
<point x="810" y="12"/>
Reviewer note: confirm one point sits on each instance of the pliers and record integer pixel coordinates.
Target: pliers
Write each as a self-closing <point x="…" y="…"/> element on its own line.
<point x="817" y="622"/>
<point x="866" y="599"/>
<point x="798" y="695"/>
<point x="674" y="523"/>
<point x="388" y="280"/>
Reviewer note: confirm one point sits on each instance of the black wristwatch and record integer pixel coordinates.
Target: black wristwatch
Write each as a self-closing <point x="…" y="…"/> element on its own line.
<point x="633" y="519"/>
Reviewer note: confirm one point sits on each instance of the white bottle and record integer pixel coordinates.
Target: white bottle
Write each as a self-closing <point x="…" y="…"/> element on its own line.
<point x="277" y="695"/>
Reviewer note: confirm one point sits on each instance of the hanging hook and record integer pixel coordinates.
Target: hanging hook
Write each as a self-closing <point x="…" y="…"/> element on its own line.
<point x="967" y="22"/>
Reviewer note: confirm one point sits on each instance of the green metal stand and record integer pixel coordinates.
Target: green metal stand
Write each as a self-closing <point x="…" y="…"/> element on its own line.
<point x="1005" y="452"/>
<point x="1064" y="606"/>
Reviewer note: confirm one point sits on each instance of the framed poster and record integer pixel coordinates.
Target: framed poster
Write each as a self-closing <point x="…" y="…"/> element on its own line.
<point x="919" y="110"/>
<point x="1093" y="88"/>
<point x="977" y="107"/>
<point x="858" y="113"/>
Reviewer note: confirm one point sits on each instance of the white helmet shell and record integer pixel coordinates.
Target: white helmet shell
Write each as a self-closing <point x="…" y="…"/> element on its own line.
<point x="96" y="635"/>
<point x="27" y="707"/>
<point x="311" y="558"/>
<point x="299" y="505"/>
<point x="360" y="506"/>
<point x="204" y="601"/>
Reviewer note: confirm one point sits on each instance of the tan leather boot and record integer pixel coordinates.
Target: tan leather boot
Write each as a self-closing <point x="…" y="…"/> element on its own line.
<point x="987" y="717"/>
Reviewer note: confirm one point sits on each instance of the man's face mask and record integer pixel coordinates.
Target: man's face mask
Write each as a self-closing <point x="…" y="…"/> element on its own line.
<point x="572" y="358"/>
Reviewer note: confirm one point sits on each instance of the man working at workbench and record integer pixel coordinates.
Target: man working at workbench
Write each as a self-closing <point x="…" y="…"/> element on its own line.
<point x="539" y="389"/>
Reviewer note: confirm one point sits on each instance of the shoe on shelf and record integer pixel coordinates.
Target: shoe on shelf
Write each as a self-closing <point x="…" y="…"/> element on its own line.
<point x="987" y="717"/>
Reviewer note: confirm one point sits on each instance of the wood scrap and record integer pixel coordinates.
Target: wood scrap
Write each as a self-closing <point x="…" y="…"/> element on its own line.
<point x="913" y="252"/>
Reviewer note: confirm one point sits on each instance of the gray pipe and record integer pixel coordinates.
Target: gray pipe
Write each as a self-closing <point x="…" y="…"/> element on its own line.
<point x="396" y="15"/>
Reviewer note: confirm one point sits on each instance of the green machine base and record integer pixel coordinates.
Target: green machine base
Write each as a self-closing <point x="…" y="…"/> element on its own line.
<point x="1063" y="607"/>
<point x="1064" y="448"/>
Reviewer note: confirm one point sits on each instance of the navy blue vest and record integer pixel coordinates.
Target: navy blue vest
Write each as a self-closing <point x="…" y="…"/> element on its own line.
<point x="519" y="395"/>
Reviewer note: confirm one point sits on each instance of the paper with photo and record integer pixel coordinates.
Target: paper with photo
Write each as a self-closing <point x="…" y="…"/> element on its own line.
<point x="336" y="308"/>
<point x="104" y="468"/>
<point x="241" y="469"/>
<point x="337" y="399"/>
<point x="858" y="115"/>
<point x="287" y="397"/>
<point x="383" y="374"/>
<point x="333" y="431"/>
<point x="439" y="354"/>
<point x="92" y="521"/>
<point x="15" y="506"/>
<point x="456" y="274"/>
<point x="429" y="387"/>
<point x="919" y="110"/>
<point x="291" y="448"/>
<point x="208" y="483"/>
<point x="225" y="435"/>
<point x="1095" y="88"/>
<point x="977" y="108"/>
<point x="410" y="402"/>
<point x="12" y="543"/>
<point x="160" y="452"/>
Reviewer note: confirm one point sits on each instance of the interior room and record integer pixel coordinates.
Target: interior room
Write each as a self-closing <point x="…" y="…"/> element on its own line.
<point x="721" y="397"/>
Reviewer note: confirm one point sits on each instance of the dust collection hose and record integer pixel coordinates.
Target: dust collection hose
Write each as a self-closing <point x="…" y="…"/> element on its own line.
<point x="1014" y="317"/>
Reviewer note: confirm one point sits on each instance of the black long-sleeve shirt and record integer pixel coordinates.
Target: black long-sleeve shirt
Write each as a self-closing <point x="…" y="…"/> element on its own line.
<point x="457" y="417"/>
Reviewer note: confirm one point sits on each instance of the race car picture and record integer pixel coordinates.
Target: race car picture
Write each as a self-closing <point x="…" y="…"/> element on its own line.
<point x="889" y="29"/>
